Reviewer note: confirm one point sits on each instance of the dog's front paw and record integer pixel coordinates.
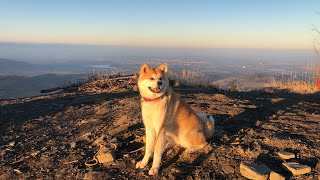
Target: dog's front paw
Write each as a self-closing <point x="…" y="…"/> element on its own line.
<point x="140" y="164"/>
<point x="153" y="171"/>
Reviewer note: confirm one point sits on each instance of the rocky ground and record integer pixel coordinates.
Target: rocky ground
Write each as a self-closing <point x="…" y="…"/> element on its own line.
<point x="54" y="136"/>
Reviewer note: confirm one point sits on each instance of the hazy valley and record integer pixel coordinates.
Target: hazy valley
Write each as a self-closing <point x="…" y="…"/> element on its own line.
<point x="27" y="72"/>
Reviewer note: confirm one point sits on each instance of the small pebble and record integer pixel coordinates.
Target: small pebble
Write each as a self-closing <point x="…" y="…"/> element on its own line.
<point x="73" y="144"/>
<point x="12" y="143"/>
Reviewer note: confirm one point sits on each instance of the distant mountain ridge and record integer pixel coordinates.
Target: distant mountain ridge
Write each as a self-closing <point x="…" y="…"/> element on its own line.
<point x="14" y="86"/>
<point x="8" y="66"/>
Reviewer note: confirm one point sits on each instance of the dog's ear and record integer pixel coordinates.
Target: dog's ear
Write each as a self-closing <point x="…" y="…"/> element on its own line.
<point x="144" y="68"/>
<point x="163" y="67"/>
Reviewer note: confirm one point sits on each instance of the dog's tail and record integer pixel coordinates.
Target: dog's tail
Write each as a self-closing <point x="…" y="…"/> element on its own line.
<point x="208" y="123"/>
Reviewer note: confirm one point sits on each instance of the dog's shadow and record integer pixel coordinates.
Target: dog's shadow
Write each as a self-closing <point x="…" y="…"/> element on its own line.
<point x="181" y="163"/>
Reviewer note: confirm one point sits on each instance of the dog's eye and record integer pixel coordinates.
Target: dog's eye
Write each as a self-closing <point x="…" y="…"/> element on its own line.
<point x="160" y="79"/>
<point x="151" y="79"/>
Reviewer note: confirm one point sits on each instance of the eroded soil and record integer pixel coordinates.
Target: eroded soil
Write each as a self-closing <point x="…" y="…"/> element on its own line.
<point x="51" y="137"/>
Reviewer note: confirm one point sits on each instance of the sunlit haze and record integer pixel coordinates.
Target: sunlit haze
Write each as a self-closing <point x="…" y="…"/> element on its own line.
<point x="191" y="24"/>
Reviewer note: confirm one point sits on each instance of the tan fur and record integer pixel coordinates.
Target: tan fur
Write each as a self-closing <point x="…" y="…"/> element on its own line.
<point x="168" y="115"/>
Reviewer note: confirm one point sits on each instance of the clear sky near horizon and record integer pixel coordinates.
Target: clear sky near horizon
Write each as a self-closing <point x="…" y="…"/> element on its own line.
<point x="180" y="23"/>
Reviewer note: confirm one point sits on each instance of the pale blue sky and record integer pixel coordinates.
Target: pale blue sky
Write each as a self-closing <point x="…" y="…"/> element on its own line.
<point x="180" y="23"/>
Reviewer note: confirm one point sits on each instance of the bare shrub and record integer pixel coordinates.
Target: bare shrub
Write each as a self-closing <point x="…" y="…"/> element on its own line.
<point x="189" y="78"/>
<point x="102" y="82"/>
<point x="233" y="87"/>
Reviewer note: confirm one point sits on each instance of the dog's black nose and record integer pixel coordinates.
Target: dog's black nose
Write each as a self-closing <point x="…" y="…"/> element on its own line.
<point x="159" y="83"/>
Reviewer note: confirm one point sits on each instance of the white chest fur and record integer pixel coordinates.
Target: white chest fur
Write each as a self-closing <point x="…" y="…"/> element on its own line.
<point x="153" y="114"/>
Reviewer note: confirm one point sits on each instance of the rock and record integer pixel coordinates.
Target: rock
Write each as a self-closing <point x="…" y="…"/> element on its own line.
<point x="118" y="130"/>
<point x="286" y="155"/>
<point x="99" y="141"/>
<point x="35" y="153"/>
<point x="73" y="144"/>
<point x="296" y="168"/>
<point x="258" y="123"/>
<point x="225" y="138"/>
<point x="91" y="175"/>
<point x="254" y="171"/>
<point x="250" y="131"/>
<point x="275" y="176"/>
<point x="126" y="155"/>
<point x="228" y="169"/>
<point x="105" y="157"/>
<point x="170" y="176"/>
<point x="236" y="141"/>
<point x="17" y="171"/>
<point x="175" y="170"/>
<point x="86" y="136"/>
<point x="12" y="143"/>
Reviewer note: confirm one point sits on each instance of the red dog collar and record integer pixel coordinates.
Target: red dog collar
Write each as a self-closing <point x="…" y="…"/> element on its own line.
<point x="143" y="99"/>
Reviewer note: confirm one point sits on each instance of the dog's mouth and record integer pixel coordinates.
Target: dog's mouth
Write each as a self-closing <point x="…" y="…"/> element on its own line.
<point x="155" y="90"/>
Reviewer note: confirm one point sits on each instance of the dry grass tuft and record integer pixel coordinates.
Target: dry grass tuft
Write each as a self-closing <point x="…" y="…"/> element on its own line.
<point x="300" y="87"/>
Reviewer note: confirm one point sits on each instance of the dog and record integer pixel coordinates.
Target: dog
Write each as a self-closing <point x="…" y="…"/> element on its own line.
<point x="165" y="114"/>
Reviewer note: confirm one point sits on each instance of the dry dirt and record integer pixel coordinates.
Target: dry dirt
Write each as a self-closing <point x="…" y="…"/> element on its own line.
<point x="51" y="137"/>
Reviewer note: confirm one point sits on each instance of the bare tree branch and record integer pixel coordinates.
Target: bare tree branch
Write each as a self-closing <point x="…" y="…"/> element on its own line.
<point x="316" y="41"/>
<point x="316" y="29"/>
<point x="315" y="47"/>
